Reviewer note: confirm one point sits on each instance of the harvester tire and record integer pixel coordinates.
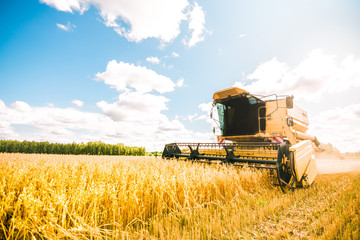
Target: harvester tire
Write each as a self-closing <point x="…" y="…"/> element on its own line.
<point x="285" y="173"/>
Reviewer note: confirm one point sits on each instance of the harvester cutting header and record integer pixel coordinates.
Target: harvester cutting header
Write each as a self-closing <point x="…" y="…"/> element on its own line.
<point x="259" y="131"/>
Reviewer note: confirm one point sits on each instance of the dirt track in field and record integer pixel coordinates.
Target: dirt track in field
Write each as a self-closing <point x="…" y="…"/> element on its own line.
<point x="329" y="166"/>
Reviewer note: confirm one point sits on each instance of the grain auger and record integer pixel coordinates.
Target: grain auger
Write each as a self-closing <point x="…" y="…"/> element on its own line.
<point x="257" y="131"/>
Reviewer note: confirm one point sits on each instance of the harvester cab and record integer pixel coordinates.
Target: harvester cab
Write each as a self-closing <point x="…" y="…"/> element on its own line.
<point x="257" y="131"/>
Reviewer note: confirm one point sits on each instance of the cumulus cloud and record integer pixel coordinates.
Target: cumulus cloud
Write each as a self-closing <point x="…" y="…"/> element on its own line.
<point x="190" y="118"/>
<point x="123" y="76"/>
<point x="135" y="107"/>
<point x="209" y="114"/>
<point x="6" y="130"/>
<point x="180" y="82"/>
<point x="67" y="5"/>
<point x="77" y="103"/>
<point x="171" y="126"/>
<point x="61" y="26"/>
<point x="317" y="74"/>
<point x="338" y="126"/>
<point x="158" y="19"/>
<point x="140" y="104"/>
<point x="140" y="19"/>
<point x="143" y="125"/>
<point x="205" y="109"/>
<point x="175" y="54"/>
<point x="49" y="120"/>
<point x="153" y="60"/>
<point x="21" y="106"/>
<point x="68" y="27"/>
<point x="314" y="78"/>
<point x="348" y="113"/>
<point x="196" y="25"/>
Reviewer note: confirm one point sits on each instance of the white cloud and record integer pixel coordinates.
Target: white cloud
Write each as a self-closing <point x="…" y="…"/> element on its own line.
<point x="140" y="19"/>
<point x="175" y="55"/>
<point x="339" y="115"/>
<point x="169" y="67"/>
<point x="122" y="75"/>
<point x="67" y="5"/>
<point x="50" y="119"/>
<point x="180" y="82"/>
<point x="314" y="78"/>
<point x="339" y="126"/>
<point x="208" y="110"/>
<point x="21" y="106"/>
<point x="205" y="109"/>
<point x="61" y="26"/>
<point x="135" y="120"/>
<point x="6" y="131"/>
<point x="77" y="103"/>
<point x="192" y="117"/>
<point x="135" y="107"/>
<point x="153" y="60"/>
<point x="158" y="19"/>
<point x="138" y="111"/>
<point x="196" y="25"/>
<point x="174" y="125"/>
<point x="317" y="74"/>
<point x="67" y="27"/>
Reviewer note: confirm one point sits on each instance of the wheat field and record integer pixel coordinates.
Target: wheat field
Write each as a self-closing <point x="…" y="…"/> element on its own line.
<point x="109" y="197"/>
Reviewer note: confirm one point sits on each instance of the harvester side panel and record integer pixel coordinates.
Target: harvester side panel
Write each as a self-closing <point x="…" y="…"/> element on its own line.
<point x="275" y="117"/>
<point x="303" y="152"/>
<point x="301" y="121"/>
<point x="310" y="173"/>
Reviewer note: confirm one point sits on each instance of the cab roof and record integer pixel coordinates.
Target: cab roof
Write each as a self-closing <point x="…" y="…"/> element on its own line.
<point x="231" y="93"/>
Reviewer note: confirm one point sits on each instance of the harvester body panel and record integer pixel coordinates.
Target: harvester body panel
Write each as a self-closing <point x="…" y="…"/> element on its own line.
<point x="300" y="118"/>
<point x="310" y="173"/>
<point x="303" y="152"/>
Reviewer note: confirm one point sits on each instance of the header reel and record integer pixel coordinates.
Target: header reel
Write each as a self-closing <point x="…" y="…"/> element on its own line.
<point x="273" y="156"/>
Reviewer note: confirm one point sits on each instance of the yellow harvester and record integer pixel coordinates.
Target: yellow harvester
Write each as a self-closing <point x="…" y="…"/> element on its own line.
<point x="257" y="131"/>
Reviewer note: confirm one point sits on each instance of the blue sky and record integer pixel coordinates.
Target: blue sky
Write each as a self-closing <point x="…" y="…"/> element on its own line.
<point x="143" y="72"/>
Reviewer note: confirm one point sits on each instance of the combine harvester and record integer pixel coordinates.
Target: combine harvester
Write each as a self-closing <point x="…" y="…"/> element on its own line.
<point x="257" y="131"/>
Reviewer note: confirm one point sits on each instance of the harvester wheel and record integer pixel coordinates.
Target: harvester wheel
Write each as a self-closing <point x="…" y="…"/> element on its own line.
<point x="284" y="168"/>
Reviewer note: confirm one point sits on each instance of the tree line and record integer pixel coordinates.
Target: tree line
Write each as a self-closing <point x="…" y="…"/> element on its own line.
<point x="90" y="148"/>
